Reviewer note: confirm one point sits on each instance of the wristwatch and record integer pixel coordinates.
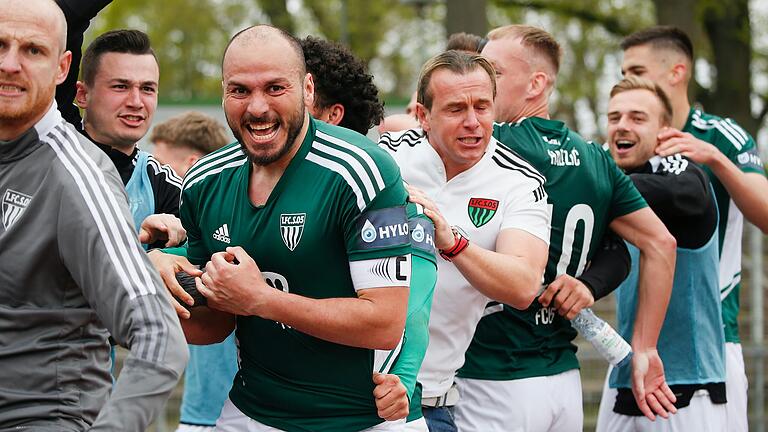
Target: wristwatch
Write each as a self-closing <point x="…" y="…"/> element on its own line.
<point x="461" y="241"/>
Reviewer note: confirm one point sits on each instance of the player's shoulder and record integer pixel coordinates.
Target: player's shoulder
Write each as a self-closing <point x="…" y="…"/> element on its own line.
<point x="511" y="168"/>
<point x="717" y="130"/>
<point x="353" y="149"/>
<point x="165" y="172"/>
<point x="206" y="168"/>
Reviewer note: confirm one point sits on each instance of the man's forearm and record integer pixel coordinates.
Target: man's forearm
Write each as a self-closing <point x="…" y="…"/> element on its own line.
<point x="505" y="278"/>
<point x="657" y="248"/>
<point x="748" y="190"/>
<point x="373" y="322"/>
<point x="657" y="269"/>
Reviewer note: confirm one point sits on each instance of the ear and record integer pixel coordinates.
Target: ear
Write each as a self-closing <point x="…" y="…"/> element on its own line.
<point x="335" y="113"/>
<point x="678" y="74"/>
<point x="422" y="115"/>
<point x="81" y="96"/>
<point x="65" y="60"/>
<point x="538" y="84"/>
<point x="191" y="159"/>
<point x="309" y="90"/>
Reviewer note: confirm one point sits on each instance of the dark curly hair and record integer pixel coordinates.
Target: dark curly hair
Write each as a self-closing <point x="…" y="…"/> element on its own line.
<point x="342" y="78"/>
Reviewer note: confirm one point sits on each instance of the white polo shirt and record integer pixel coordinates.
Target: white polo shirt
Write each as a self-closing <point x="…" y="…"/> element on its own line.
<point x="502" y="191"/>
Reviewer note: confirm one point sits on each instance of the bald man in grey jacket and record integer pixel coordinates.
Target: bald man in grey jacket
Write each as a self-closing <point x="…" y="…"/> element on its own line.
<point x="71" y="269"/>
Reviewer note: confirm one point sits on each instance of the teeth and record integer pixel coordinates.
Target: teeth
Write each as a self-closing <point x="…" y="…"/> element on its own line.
<point x="261" y="128"/>
<point x="133" y="118"/>
<point x="470" y="140"/>
<point x="10" y="88"/>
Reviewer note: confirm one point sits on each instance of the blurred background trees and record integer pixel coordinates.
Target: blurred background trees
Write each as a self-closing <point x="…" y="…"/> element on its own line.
<point x="395" y="37"/>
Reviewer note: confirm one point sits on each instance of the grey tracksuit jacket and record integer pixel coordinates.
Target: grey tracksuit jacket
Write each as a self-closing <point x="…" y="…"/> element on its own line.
<point x="72" y="273"/>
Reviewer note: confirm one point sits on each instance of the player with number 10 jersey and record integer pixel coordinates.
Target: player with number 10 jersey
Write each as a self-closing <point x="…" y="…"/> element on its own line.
<point x="586" y="191"/>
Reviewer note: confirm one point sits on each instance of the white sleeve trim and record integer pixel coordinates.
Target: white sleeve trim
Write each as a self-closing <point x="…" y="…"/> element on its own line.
<point x="392" y="271"/>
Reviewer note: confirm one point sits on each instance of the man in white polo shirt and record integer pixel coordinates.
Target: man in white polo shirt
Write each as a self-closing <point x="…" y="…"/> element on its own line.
<point x="489" y="209"/>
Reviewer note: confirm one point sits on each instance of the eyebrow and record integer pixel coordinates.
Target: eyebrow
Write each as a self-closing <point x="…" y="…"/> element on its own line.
<point x="127" y="81"/>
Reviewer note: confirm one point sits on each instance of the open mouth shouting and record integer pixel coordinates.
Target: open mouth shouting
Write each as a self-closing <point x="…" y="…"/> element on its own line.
<point x="470" y="141"/>
<point x="624" y="145"/>
<point x="262" y="131"/>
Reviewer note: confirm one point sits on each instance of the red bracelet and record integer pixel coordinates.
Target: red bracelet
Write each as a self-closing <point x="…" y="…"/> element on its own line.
<point x="459" y="245"/>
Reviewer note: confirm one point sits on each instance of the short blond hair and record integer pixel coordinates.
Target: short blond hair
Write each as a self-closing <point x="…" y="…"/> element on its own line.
<point x="458" y="62"/>
<point x="638" y="83"/>
<point x="193" y="130"/>
<point x="533" y="38"/>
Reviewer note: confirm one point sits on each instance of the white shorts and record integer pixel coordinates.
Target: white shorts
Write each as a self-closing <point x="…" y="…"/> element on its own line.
<point x="736" y="385"/>
<point x="541" y="404"/>
<point x="700" y="416"/>
<point x="418" y="425"/>
<point x="194" y="428"/>
<point x="233" y="420"/>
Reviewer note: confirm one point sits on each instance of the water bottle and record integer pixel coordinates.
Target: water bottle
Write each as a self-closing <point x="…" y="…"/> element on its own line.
<point x="603" y="337"/>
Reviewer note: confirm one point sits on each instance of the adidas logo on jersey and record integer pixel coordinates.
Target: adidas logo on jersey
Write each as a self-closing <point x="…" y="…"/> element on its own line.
<point x="222" y="234"/>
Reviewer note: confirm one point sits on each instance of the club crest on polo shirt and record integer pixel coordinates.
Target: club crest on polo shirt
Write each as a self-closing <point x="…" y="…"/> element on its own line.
<point x="14" y="204"/>
<point x="482" y="210"/>
<point x="291" y="228"/>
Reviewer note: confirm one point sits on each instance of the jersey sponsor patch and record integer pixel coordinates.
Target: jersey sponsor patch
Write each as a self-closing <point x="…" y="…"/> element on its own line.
<point x="14" y="204"/>
<point x="382" y="228"/>
<point x="482" y="210"/>
<point x="291" y="228"/>
<point x="750" y="159"/>
<point x="422" y="235"/>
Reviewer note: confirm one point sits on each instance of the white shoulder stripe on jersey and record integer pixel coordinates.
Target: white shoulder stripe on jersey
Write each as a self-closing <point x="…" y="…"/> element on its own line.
<point x="190" y="182"/>
<point x="170" y="176"/>
<point x="738" y="129"/>
<point x="99" y="199"/>
<point x="212" y="159"/>
<point x="358" y="151"/>
<point x="92" y="186"/>
<point x="343" y="172"/>
<point x="353" y="163"/>
<point x="729" y="135"/>
<point x="728" y="125"/>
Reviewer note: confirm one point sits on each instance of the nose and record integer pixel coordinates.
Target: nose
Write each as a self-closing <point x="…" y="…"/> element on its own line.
<point x="470" y="120"/>
<point x="257" y="105"/>
<point x="134" y="98"/>
<point x="9" y="60"/>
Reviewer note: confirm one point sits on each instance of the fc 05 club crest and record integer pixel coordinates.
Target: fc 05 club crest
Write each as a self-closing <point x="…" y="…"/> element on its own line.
<point x="481" y="210"/>
<point x="291" y="228"/>
<point x="14" y="204"/>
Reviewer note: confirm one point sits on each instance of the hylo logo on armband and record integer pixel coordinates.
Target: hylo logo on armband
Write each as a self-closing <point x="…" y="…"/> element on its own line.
<point x="383" y="227"/>
<point x="291" y="228"/>
<point x="14" y="204"/>
<point x="481" y="210"/>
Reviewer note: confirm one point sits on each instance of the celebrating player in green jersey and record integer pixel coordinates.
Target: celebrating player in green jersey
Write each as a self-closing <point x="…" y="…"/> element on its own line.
<point x="521" y="369"/>
<point x="305" y="228"/>
<point x="729" y="156"/>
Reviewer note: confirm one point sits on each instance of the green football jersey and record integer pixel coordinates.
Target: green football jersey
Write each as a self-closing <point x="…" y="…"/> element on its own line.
<point x="586" y="192"/>
<point x="740" y="148"/>
<point x="340" y="200"/>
